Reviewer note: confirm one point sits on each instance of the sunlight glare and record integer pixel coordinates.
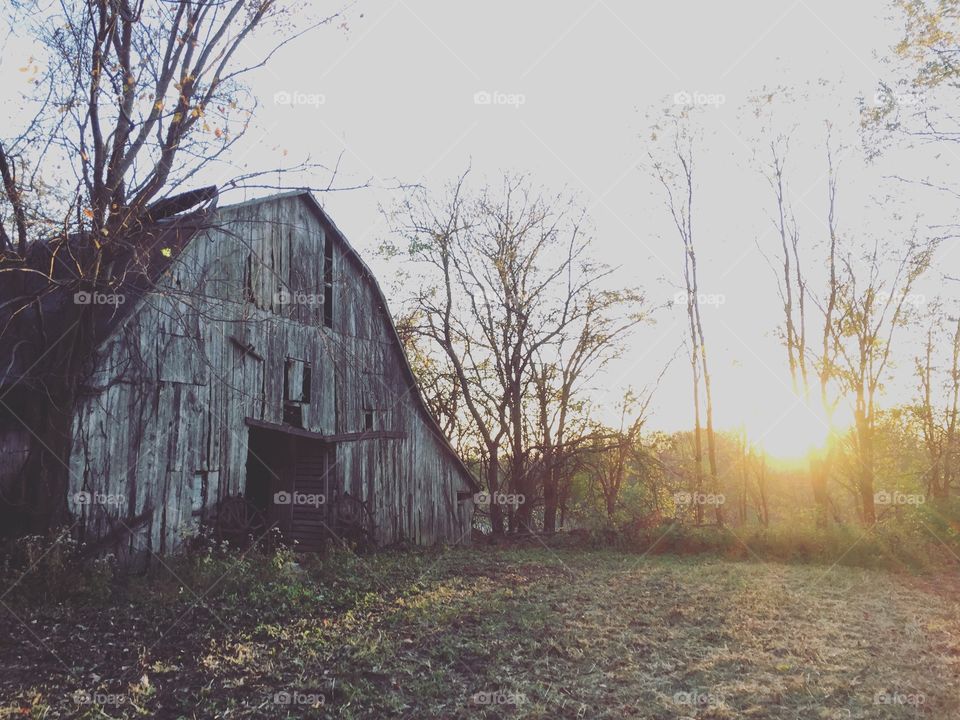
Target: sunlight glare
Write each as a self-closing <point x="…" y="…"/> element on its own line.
<point x="802" y="430"/>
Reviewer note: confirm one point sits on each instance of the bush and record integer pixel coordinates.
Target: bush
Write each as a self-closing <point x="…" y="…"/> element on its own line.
<point x="895" y="544"/>
<point x="36" y="569"/>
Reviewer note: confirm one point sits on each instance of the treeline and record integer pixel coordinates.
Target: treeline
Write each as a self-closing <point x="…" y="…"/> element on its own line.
<point x="510" y="324"/>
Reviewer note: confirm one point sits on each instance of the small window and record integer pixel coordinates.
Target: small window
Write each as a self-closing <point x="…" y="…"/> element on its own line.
<point x="248" y="295"/>
<point x="328" y="281"/>
<point x="368" y="420"/>
<point x="307" y="383"/>
<point x="297" y="381"/>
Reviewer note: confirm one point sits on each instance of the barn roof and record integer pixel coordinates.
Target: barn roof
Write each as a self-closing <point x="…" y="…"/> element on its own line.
<point x="38" y="306"/>
<point x="144" y="259"/>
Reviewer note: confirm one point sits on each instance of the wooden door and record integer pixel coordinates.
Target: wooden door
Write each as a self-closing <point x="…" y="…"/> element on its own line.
<point x="313" y="486"/>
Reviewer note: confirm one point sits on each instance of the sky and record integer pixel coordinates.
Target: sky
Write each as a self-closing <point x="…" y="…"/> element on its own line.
<point x="416" y="90"/>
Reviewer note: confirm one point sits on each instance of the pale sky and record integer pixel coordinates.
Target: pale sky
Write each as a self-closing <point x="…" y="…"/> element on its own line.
<point x="575" y="87"/>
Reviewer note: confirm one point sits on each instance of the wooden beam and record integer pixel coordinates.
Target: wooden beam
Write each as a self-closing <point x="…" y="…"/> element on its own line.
<point x="246" y="348"/>
<point x="342" y="437"/>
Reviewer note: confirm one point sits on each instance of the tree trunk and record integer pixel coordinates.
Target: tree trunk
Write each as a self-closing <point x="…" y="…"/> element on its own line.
<point x="493" y="485"/>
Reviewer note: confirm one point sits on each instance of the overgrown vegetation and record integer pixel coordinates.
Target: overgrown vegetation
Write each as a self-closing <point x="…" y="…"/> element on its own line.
<point x="523" y="632"/>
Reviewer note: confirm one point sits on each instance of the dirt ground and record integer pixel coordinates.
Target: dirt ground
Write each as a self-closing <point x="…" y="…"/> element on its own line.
<point x="496" y="633"/>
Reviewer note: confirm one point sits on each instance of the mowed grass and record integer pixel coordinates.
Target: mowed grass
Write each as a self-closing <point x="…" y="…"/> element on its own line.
<point x="495" y="633"/>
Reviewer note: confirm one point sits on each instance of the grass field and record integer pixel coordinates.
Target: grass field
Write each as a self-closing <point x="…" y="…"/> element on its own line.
<point x="491" y="633"/>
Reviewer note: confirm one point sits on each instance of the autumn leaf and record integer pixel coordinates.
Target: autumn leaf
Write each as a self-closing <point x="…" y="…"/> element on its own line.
<point x="88" y="212"/>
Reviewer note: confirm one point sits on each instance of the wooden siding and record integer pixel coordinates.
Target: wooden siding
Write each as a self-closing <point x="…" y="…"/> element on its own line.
<point x="164" y="437"/>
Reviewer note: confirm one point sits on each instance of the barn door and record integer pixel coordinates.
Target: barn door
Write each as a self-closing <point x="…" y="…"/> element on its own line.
<point x="313" y="488"/>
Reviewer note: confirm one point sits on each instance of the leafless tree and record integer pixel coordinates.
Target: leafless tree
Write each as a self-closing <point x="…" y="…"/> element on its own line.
<point x="676" y="175"/>
<point x="514" y="306"/>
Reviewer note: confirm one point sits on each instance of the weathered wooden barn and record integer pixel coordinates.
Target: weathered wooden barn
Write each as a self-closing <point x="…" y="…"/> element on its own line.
<point x="255" y="379"/>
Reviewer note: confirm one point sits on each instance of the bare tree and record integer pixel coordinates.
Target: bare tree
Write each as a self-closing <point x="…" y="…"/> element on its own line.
<point x="562" y="371"/>
<point x="677" y="178"/>
<point x="794" y="291"/>
<point x="514" y="306"/>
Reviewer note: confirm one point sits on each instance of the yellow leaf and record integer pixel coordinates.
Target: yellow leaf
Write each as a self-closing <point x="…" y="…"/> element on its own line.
<point x="166" y="252"/>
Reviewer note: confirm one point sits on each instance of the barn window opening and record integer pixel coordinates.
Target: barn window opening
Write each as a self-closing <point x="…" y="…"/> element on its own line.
<point x="328" y="281"/>
<point x="248" y="295"/>
<point x="297" y="382"/>
<point x="368" y="420"/>
<point x="307" y="382"/>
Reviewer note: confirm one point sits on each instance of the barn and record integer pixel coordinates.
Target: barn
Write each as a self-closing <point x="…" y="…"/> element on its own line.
<point x="246" y="374"/>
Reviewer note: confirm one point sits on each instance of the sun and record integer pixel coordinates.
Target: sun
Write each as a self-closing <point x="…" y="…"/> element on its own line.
<point x="799" y="431"/>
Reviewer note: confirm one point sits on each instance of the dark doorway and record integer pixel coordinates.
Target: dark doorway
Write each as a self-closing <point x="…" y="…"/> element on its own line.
<point x="291" y="479"/>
